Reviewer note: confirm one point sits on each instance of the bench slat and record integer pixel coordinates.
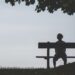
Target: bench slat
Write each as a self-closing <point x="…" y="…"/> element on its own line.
<point x="53" y="56"/>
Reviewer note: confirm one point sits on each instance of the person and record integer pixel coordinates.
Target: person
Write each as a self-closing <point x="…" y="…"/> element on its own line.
<point x="60" y="50"/>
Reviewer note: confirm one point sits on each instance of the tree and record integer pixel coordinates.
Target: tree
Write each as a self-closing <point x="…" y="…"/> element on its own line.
<point x="67" y="6"/>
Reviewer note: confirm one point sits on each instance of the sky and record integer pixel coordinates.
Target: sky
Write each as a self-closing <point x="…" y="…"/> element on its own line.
<point x="22" y="28"/>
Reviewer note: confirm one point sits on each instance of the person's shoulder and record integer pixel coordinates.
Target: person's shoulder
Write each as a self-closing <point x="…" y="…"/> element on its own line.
<point x="63" y="41"/>
<point x="56" y="41"/>
<point x="60" y="41"/>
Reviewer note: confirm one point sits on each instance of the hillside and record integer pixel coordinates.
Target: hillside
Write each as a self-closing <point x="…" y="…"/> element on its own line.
<point x="68" y="69"/>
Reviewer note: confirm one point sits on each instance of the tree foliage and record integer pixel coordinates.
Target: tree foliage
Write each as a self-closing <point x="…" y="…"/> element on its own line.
<point x="67" y="6"/>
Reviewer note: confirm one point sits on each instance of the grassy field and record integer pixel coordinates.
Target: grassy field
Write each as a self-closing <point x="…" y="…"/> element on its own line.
<point x="68" y="69"/>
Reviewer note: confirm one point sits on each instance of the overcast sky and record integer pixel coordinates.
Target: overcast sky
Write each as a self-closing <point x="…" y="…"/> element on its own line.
<point x="21" y="28"/>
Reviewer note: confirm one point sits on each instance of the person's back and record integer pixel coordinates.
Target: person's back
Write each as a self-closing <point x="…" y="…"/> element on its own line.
<point x="60" y="49"/>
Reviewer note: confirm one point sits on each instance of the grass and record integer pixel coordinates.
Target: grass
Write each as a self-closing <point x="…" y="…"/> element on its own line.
<point x="68" y="69"/>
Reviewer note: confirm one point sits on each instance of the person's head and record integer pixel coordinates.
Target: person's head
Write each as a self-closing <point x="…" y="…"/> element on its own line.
<point x="59" y="36"/>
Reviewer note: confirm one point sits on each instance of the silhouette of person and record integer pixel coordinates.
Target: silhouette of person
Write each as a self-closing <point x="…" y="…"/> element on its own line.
<point x="60" y="50"/>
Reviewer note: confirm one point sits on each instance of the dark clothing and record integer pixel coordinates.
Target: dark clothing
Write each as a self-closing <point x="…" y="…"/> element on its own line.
<point x="63" y="56"/>
<point x="60" y="52"/>
<point x="60" y="49"/>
